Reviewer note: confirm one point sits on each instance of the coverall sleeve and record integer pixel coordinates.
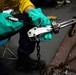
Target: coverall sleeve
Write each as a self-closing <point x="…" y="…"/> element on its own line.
<point x="1" y="5"/>
<point x="24" y="4"/>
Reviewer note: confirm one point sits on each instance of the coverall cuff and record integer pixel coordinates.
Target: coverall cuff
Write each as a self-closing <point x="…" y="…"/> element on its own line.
<point x="24" y="5"/>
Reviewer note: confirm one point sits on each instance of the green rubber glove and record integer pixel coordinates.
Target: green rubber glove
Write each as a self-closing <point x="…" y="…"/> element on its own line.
<point x="8" y="26"/>
<point x="47" y="36"/>
<point x="39" y="19"/>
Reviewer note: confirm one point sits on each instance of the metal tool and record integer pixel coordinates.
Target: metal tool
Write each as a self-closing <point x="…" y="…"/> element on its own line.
<point x="37" y="32"/>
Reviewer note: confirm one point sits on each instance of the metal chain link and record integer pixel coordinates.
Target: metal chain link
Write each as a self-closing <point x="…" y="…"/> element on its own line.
<point x="38" y="52"/>
<point x="38" y="56"/>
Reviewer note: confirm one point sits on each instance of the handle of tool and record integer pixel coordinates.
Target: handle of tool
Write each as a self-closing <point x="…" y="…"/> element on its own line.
<point x="52" y="17"/>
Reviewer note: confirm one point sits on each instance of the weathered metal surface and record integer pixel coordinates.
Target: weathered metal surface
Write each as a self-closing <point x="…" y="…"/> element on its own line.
<point x="72" y="65"/>
<point x="67" y="49"/>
